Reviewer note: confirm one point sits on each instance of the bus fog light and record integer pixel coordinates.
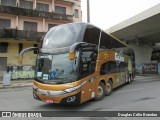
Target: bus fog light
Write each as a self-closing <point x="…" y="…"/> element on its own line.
<point x="71" y="99"/>
<point x="49" y="101"/>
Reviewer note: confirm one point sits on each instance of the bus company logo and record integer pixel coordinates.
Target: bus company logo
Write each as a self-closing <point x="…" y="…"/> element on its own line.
<point x="119" y="56"/>
<point x="6" y="114"/>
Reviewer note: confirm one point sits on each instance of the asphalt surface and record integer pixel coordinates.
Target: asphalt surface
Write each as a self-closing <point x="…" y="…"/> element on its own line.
<point x="143" y="94"/>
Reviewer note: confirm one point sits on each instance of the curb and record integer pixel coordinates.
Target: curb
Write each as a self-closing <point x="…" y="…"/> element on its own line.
<point x="7" y="87"/>
<point x="16" y="84"/>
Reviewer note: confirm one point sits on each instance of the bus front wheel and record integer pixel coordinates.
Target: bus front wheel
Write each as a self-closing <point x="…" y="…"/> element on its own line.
<point x="100" y="92"/>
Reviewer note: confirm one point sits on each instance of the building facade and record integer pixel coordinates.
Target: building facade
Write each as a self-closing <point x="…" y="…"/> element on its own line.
<point x="23" y="23"/>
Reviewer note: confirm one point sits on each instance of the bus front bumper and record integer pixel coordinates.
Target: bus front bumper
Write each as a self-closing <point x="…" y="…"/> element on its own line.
<point x="69" y="98"/>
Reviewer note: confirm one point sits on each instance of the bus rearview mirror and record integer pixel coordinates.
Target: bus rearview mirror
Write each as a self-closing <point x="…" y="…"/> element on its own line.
<point x="72" y="55"/>
<point x="20" y="59"/>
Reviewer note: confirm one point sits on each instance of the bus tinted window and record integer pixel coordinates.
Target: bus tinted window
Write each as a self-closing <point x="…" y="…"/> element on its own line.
<point x="109" y="42"/>
<point x="122" y="67"/>
<point x="108" y="68"/>
<point x="88" y="62"/>
<point x="91" y="35"/>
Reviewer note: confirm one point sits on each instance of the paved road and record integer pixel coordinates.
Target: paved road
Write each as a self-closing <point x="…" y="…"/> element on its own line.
<point x="143" y="94"/>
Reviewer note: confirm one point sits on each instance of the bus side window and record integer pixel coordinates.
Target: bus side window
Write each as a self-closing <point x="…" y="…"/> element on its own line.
<point x="88" y="62"/>
<point x="113" y="67"/>
<point x="108" y="68"/>
<point x="104" y="69"/>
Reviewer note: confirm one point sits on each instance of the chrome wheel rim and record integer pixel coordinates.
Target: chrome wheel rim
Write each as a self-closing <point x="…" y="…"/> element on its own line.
<point x="108" y="87"/>
<point x="100" y="91"/>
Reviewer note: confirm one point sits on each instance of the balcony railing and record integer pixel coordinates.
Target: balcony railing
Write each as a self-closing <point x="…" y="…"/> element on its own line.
<point x="21" y="34"/>
<point x="34" y="13"/>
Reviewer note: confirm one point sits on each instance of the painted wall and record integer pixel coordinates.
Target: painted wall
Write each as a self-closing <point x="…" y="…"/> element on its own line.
<point x="21" y="72"/>
<point x="12" y="60"/>
<point x="150" y="68"/>
<point x="18" y="21"/>
<point x="142" y="55"/>
<point x="159" y="68"/>
<point x="138" y="68"/>
<point x="12" y="54"/>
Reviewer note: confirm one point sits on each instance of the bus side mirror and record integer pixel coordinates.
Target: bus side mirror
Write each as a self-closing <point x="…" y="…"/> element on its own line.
<point x="20" y="59"/>
<point x="72" y="55"/>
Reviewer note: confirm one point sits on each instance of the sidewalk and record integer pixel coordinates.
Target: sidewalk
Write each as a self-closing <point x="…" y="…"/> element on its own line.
<point x="16" y="83"/>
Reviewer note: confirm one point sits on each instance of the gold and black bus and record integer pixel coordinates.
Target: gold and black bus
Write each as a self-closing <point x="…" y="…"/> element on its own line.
<point x="78" y="62"/>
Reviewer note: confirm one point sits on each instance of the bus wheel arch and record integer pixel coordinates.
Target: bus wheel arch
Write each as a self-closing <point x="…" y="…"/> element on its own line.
<point x="109" y="87"/>
<point x="100" y="91"/>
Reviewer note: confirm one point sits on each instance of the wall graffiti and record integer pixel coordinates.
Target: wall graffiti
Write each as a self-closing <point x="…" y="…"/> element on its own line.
<point x="21" y="72"/>
<point x="149" y="68"/>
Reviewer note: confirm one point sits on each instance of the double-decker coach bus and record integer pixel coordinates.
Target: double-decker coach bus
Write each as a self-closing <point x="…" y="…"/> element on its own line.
<point x="78" y="62"/>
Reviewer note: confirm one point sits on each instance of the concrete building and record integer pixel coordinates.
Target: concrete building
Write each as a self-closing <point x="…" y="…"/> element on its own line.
<point x="22" y="25"/>
<point x="142" y="33"/>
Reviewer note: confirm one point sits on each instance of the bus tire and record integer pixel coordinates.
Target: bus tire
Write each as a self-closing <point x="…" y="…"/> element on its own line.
<point x="109" y="88"/>
<point x="129" y="79"/>
<point x="100" y="92"/>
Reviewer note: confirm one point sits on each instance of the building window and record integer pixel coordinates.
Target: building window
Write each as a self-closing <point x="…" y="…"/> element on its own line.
<point x="20" y="47"/>
<point x="26" y="4"/>
<point x="30" y="26"/>
<point x="60" y="10"/>
<point x="35" y="51"/>
<point x="5" y="23"/>
<point x="3" y="47"/>
<point x="50" y="26"/>
<point x="8" y="3"/>
<point x="76" y="13"/>
<point x="42" y="7"/>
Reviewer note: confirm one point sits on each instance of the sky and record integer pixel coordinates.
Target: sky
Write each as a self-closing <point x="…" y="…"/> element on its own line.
<point x="107" y="13"/>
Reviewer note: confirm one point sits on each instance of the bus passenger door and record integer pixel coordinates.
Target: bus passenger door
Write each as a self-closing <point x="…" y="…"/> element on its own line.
<point x="88" y="89"/>
<point x="87" y="72"/>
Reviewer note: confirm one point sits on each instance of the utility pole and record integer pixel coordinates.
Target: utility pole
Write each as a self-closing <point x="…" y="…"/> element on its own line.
<point x="88" y="12"/>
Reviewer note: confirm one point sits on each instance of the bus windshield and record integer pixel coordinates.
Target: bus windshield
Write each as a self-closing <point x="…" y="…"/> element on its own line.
<point x="56" y="68"/>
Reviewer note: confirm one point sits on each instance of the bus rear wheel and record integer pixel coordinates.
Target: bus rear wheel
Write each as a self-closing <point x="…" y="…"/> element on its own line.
<point x="100" y="92"/>
<point x="109" y="88"/>
<point x="129" y="79"/>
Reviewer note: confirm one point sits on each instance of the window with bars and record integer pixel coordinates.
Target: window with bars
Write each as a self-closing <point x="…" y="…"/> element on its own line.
<point x="35" y="51"/>
<point x="28" y="26"/>
<point x="42" y="7"/>
<point x="60" y="10"/>
<point x="51" y="25"/>
<point x="20" y="47"/>
<point x="3" y="47"/>
<point x="5" y="23"/>
<point x="26" y="4"/>
<point x="8" y="3"/>
<point x="76" y="13"/>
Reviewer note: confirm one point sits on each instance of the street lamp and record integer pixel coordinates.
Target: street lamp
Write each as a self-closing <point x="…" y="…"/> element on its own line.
<point x="88" y="12"/>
